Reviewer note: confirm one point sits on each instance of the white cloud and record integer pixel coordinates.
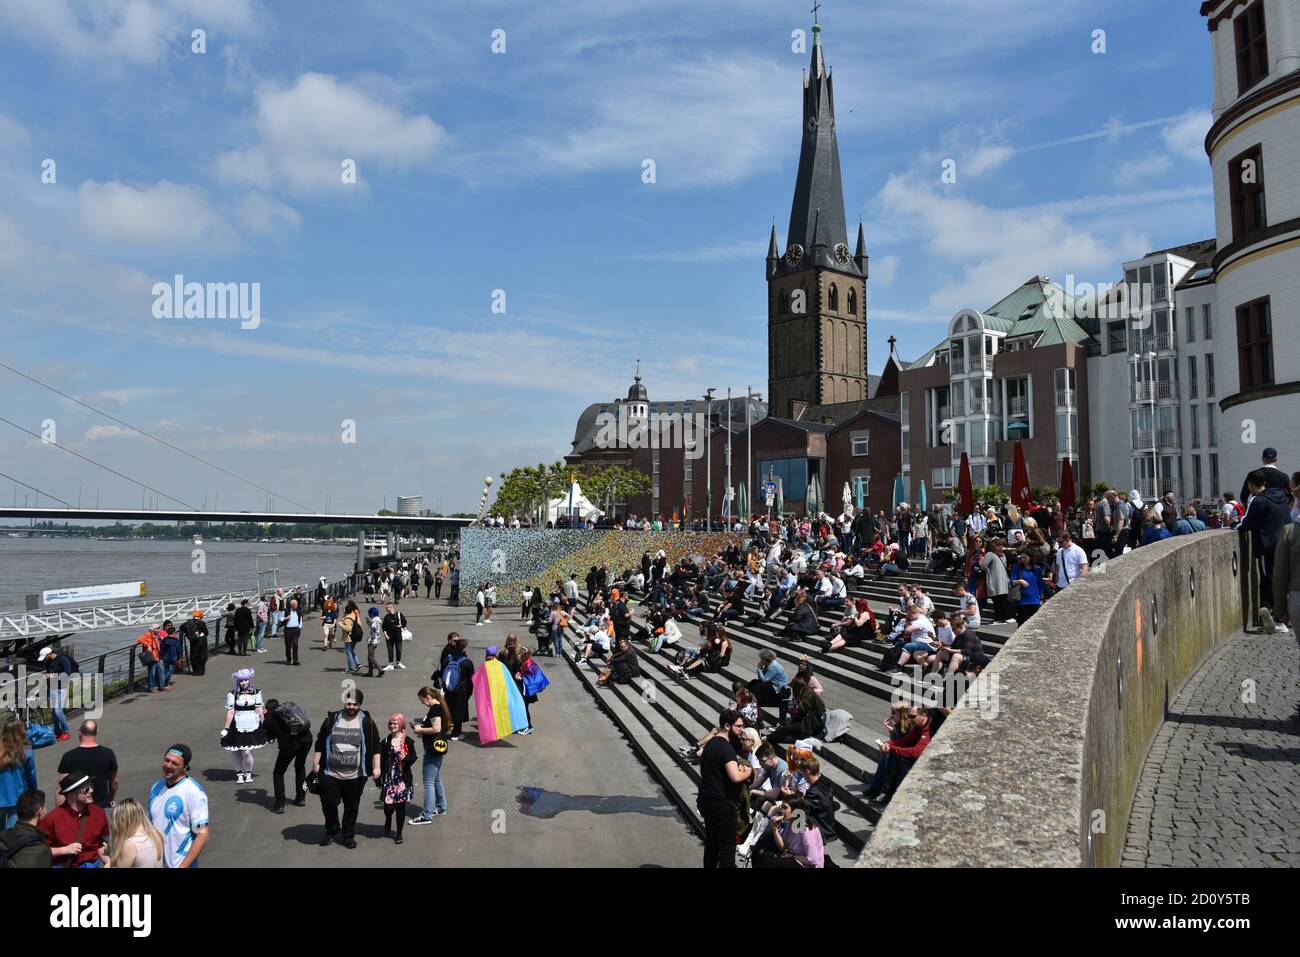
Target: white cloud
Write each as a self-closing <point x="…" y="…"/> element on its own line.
<point x="11" y="132"/>
<point x="98" y="432"/>
<point x="982" y="253"/>
<point x="131" y="31"/>
<point x="1186" y="135"/>
<point x="1143" y="168"/>
<point x="164" y="215"/>
<point x="985" y="159"/>
<point x="883" y="270"/>
<point x="262" y="215"/>
<point x="669" y="112"/>
<point x="306" y="131"/>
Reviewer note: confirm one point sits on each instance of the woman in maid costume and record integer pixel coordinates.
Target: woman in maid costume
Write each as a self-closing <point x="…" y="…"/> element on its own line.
<point x="245" y="712"/>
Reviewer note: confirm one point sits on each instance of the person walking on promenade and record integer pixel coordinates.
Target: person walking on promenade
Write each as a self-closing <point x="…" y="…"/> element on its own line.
<point x="290" y="727"/>
<point x="246" y="712"/>
<point x="17" y="769"/>
<point x="455" y="674"/>
<point x="350" y="634"/>
<point x="195" y="633"/>
<point x="169" y="644"/>
<point x="328" y="616"/>
<point x="1286" y="571"/>
<point x="721" y="775"/>
<point x="347" y="752"/>
<point x="151" y="657"/>
<point x="374" y="634"/>
<point x="23" y="845"/>
<point x="480" y="603"/>
<point x="178" y="808"/>
<point x="262" y="615"/>
<point x="92" y="758"/>
<point x="433" y="730"/>
<point x="439" y="577"/>
<point x="77" y="829"/>
<point x="453" y="596"/>
<point x="997" y="582"/>
<point x="394" y="624"/>
<point x="1266" y="515"/>
<point x="244" y="625"/>
<point x="134" y="842"/>
<point x="396" y="784"/>
<point x="58" y="669"/>
<point x="292" y="632"/>
<point x="428" y="582"/>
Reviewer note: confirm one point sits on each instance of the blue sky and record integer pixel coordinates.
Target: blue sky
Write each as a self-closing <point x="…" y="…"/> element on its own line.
<point x="521" y="171"/>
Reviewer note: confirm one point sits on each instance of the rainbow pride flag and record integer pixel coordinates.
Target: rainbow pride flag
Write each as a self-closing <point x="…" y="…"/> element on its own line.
<point x="498" y="702"/>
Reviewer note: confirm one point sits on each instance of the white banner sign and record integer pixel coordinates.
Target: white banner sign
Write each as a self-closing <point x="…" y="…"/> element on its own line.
<point x="85" y="593"/>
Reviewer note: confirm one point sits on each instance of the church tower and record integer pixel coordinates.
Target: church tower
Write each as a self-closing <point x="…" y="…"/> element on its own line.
<point x="817" y="290"/>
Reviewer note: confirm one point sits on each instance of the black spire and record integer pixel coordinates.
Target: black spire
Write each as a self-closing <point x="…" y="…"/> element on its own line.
<point x="817" y="215"/>
<point x="860" y="257"/>
<point x="773" y="257"/>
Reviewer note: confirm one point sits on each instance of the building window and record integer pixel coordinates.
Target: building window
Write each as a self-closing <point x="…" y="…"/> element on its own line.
<point x="1207" y="322"/>
<point x="865" y="475"/>
<point x="1115" y="341"/>
<point x="1212" y="432"/>
<point x="1196" y="476"/>
<point x="1006" y="473"/>
<point x="1191" y="324"/>
<point x="1214" y="475"/>
<point x="859" y="442"/>
<point x="1209" y="374"/>
<point x="1191" y="377"/>
<point x="853" y="302"/>
<point x="942" y="477"/>
<point x="905" y="411"/>
<point x="1252" y="47"/>
<point x="1255" y="344"/>
<point x="1196" y="426"/>
<point x="1246" y="190"/>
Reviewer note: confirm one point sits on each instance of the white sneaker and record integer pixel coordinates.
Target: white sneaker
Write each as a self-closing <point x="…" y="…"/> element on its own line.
<point x="478" y="624"/>
<point x="402" y="666"/>
<point x="388" y="667"/>
<point x="1266" y="621"/>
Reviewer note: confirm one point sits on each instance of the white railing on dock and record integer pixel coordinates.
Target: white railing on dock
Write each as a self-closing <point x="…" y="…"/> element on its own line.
<point x="59" y="621"/>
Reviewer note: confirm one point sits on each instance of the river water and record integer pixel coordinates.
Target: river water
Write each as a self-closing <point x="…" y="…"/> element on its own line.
<point x="32" y="565"/>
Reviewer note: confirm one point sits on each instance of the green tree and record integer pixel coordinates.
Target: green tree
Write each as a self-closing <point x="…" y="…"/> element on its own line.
<point x="613" y="483"/>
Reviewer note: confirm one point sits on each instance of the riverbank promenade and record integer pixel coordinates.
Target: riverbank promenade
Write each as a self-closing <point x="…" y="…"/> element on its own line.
<point x="570" y="795"/>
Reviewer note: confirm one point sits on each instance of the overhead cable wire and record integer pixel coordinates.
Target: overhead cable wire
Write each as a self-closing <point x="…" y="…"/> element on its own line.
<point x="150" y="435"/>
<point x="35" y="489"/>
<point x="106" y="468"/>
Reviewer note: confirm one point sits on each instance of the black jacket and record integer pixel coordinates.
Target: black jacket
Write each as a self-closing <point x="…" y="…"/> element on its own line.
<point x="195" y="631"/>
<point x="244" y="620"/>
<point x="386" y="756"/>
<point x="31" y="850"/>
<point x="820" y="803"/>
<point x="802" y="621"/>
<point x="1273" y="478"/>
<point x="1264" y="518"/>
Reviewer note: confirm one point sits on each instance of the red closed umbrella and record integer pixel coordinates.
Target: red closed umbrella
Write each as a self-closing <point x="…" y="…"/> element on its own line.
<point x="1069" y="498"/>
<point x="1019" y="479"/>
<point x="965" y="492"/>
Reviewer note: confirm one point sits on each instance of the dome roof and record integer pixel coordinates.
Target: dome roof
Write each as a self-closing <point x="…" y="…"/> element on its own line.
<point x="636" y="392"/>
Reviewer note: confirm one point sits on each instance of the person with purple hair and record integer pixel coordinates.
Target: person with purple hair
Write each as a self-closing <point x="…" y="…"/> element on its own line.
<point x="246" y="712"/>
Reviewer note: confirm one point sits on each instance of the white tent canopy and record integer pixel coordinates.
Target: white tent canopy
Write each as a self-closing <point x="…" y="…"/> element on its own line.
<point x="579" y="504"/>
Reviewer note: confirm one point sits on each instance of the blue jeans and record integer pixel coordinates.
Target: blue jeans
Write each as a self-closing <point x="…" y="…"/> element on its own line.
<point x="350" y="649"/>
<point x="59" y="701"/>
<point x="435" y="798"/>
<point x="157" y="676"/>
<point x="557" y="642"/>
<point x="257" y="635"/>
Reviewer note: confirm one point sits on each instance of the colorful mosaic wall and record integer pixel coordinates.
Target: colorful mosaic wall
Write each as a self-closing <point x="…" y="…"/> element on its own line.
<point x="512" y="558"/>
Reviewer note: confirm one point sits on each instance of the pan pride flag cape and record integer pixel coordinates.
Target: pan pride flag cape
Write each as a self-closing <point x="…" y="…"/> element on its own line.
<point x="498" y="702"/>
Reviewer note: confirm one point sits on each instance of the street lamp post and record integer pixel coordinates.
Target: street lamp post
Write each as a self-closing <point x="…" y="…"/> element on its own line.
<point x="708" y="467"/>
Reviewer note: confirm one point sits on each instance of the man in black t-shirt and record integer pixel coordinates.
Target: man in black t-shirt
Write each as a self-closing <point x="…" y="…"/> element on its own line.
<point x="94" y="761"/>
<point x="721" y="774"/>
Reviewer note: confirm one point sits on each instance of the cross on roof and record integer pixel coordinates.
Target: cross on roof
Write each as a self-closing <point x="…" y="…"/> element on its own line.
<point x="892" y="340"/>
<point x="816" y="8"/>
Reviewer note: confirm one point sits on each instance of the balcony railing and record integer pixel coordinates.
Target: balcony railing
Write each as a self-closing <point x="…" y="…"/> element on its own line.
<point x="1147" y="488"/>
<point x="977" y="363"/>
<point x="1065" y="443"/>
<point x="1168" y="438"/>
<point x="1066" y="398"/>
<point x="1146" y="391"/>
<point x="907" y="458"/>
<point x="1166" y="343"/>
<point x="1144" y="440"/>
<point x="981" y="406"/>
<point x="1212" y="440"/>
<point x="1018" y="405"/>
<point x="958" y="365"/>
<point x="943" y="412"/>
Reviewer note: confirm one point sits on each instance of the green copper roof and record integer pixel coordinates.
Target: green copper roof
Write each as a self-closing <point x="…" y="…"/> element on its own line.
<point x="1037" y="308"/>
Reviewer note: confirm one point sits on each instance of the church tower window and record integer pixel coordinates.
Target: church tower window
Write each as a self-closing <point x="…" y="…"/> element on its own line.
<point x="835" y="298"/>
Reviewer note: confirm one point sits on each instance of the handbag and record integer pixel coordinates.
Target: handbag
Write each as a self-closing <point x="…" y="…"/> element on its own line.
<point x="147" y="657"/>
<point x="406" y="634"/>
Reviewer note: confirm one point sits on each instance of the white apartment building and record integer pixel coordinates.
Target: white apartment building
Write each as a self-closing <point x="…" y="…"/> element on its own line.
<point x="1254" y="149"/>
